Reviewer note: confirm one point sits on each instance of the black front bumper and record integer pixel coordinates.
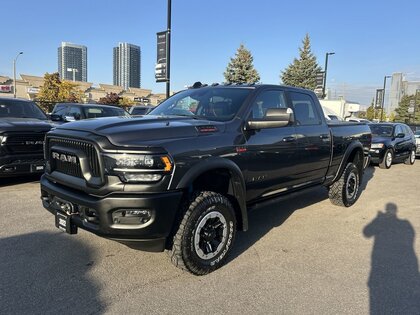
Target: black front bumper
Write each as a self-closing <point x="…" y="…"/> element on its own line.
<point x="377" y="155"/>
<point x="21" y="164"/>
<point x="150" y="236"/>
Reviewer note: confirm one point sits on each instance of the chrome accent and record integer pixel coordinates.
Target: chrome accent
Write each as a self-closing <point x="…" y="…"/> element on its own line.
<point x="275" y="192"/>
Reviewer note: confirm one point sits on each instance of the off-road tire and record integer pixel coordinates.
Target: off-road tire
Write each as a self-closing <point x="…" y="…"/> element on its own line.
<point x="185" y="252"/>
<point x="345" y="191"/>
<point x="411" y="158"/>
<point x="386" y="164"/>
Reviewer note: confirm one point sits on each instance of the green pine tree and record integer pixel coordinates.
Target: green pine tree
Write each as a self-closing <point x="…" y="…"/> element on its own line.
<point x="402" y="114"/>
<point x="302" y="72"/>
<point x="241" y="69"/>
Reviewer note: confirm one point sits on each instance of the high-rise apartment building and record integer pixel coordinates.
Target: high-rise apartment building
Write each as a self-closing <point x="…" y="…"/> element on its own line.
<point x="127" y="65"/>
<point x="72" y="62"/>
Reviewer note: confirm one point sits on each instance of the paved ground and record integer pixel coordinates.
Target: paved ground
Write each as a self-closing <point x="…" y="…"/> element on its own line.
<point x="301" y="255"/>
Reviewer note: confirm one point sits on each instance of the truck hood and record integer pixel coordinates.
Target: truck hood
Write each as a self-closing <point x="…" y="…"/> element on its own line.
<point x="24" y="124"/>
<point x="144" y="130"/>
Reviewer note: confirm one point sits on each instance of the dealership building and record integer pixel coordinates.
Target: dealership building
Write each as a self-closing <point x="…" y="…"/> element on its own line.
<point x="28" y="86"/>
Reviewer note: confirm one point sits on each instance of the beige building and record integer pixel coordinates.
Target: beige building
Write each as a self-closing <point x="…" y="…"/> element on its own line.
<point x="28" y="87"/>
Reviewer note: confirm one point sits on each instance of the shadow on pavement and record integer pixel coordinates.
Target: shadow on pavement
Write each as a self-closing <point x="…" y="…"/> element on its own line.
<point x="9" y="181"/>
<point x="394" y="281"/>
<point x="47" y="273"/>
<point x="367" y="176"/>
<point x="273" y="214"/>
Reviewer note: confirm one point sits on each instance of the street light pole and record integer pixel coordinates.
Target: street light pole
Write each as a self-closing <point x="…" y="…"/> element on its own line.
<point x="168" y="43"/>
<point x="325" y="72"/>
<point x="383" y="98"/>
<point x="14" y="73"/>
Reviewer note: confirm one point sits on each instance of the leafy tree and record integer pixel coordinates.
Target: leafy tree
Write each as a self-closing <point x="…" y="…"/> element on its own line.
<point x="125" y="101"/>
<point x="372" y="112"/>
<point x="54" y="91"/>
<point x="110" y="99"/>
<point x="302" y="72"/>
<point x="241" y="69"/>
<point x="391" y="117"/>
<point x="402" y="114"/>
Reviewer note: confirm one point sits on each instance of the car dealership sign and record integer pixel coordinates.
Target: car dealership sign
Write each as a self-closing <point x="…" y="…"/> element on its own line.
<point x="6" y="88"/>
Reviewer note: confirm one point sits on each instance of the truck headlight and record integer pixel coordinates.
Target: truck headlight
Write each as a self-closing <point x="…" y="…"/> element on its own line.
<point x="377" y="146"/>
<point x="137" y="167"/>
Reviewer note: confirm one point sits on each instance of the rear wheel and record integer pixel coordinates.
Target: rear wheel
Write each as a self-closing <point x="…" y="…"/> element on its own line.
<point x="411" y="158"/>
<point x="205" y="235"/>
<point x="345" y="191"/>
<point x="387" y="160"/>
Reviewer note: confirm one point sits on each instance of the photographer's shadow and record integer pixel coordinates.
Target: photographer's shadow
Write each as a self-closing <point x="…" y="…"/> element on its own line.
<point x="394" y="281"/>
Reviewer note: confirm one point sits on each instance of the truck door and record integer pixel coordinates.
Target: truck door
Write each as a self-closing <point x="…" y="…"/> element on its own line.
<point x="271" y="153"/>
<point x="313" y="139"/>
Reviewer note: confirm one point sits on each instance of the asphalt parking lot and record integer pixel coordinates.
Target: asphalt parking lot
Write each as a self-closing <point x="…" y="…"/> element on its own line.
<point x="302" y="255"/>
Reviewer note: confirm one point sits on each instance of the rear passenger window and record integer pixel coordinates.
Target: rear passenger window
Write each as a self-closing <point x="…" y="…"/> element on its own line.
<point x="304" y="109"/>
<point x="266" y="100"/>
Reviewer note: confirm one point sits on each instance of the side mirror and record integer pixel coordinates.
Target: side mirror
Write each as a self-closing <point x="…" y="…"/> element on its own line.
<point x="69" y="118"/>
<point x="55" y="117"/>
<point x="400" y="135"/>
<point x="273" y="118"/>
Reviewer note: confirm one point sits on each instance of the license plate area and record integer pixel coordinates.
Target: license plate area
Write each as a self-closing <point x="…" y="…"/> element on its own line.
<point x="63" y="216"/>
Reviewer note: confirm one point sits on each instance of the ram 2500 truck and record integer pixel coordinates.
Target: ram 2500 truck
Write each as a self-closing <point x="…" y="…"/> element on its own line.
<point x="183" y="177"/>
<point x="23" y="126"/>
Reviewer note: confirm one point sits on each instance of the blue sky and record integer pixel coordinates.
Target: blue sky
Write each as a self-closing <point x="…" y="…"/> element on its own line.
<point x="370" y="38"/>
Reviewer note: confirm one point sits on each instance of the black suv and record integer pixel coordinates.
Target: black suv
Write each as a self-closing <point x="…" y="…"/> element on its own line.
<point x="184" y="176"/>
<point x="22" y="130"/>
<point x="140" y="110"/>
<point x="66" y="112"/>
<point x="392" y="142"/>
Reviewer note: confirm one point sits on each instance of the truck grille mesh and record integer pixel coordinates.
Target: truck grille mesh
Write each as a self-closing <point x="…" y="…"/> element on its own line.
<point x="73" y="169"/>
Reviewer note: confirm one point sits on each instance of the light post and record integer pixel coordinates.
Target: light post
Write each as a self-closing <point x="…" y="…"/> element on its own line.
<point x="325" y="70"/>
<point x="74" y="70"/>
<point x="168" y="60"/>
<point x="14" y="73"/>
<point x="383" y="98"/>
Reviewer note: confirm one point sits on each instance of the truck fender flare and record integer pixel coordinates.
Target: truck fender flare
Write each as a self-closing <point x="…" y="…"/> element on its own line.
<point x="237" y="182"/>
<point x="355" y="145"/>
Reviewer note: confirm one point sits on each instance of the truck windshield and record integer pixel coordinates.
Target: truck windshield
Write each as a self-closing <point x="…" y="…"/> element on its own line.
<point x="381" y="130"/>
<point x="20" y="109"/>
<point x="218" y="103"/>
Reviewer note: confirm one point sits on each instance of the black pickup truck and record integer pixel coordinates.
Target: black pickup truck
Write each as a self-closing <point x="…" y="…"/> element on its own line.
<point x="23" y="126"/>
<point x="183" y="177"/>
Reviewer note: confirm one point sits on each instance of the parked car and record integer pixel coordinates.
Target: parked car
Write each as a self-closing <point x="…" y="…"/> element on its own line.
<point x="66" y="112"/>
<point x="184" y="176"/>
<point x="356" y="119"/>
<point x="23" y="126"/>
<point x="417" y="136"/>
<point x="392" y="142"/>
<point x="140" y="110"/>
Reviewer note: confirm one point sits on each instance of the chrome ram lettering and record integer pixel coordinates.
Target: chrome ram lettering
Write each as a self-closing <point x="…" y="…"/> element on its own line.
<point x="64" y="157"/>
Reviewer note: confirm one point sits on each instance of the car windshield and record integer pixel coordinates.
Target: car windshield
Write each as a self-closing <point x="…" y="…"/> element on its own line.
<point x="219" y="103"/>
<point x="381" y="130"/>
<point x="140" y="111"/>
<point x="20" y="109"/>
<point x="97" y="112"/>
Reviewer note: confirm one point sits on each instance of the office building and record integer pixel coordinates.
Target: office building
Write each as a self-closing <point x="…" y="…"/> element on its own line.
<point x="72" y="62"/>
<point x="399" y="88"/>
<point x="127" y="65"/>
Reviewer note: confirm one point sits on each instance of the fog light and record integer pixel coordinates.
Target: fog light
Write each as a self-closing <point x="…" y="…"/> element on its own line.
<point x="131" y="216"/>
<point x="142" y="177"/>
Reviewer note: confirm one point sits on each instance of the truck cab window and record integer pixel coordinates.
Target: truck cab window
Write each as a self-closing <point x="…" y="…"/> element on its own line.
<point x="304" y="109"/>
<point x="266" y="100"/>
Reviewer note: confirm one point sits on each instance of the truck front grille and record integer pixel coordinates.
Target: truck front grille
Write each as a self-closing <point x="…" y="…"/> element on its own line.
<point x="73" y="169"/>
<point x="24" y="143"/>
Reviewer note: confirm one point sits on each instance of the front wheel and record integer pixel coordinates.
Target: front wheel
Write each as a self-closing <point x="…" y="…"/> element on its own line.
<point x="387" y="160"/>
<point x="411" y="158"/>
<point x="205" y="235"/>
<point x="345" y="191"/>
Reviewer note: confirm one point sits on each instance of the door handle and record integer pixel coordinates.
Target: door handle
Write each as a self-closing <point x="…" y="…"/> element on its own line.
<point x="288" y="139"/>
